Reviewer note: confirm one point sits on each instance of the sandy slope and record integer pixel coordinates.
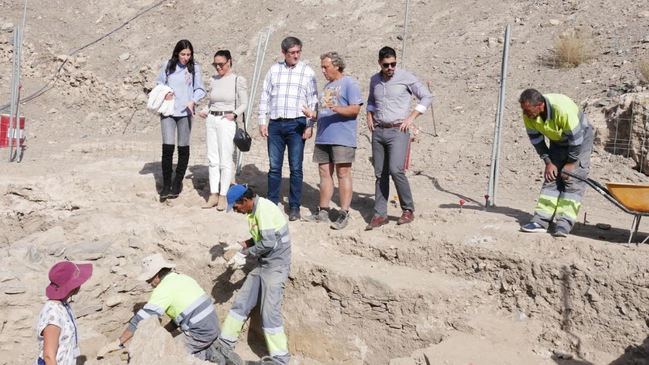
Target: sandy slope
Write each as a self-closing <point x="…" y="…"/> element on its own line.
<point x="451" y="288"/>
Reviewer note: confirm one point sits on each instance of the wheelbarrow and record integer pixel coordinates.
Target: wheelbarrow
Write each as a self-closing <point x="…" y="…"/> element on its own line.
<point x="631" y="198"/>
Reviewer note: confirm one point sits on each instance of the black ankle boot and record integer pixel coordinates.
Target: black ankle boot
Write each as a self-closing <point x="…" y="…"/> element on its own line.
<point x="181" y="168"/>
<point x="167" y="170"/>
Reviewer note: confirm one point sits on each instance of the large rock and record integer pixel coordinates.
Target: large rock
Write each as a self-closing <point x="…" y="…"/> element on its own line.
<point x="621" y="126"/>
<point x="152" y="344"/>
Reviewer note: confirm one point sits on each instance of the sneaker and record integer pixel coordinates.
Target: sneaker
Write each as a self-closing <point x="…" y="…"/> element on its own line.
<point x="533" y="227"/>
<point x="406" y="217"/>
<point x="294" y="214"/>
<point x="560" y="233"/>
<point x="376" y="222"/>
<point x="342" y="221"/>
<point x="321" y="215"/>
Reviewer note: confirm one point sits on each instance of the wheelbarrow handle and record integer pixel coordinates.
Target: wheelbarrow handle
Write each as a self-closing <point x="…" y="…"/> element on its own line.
<point x="592" y="183"/>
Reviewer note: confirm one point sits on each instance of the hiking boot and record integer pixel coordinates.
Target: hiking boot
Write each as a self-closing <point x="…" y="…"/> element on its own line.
<point x="342" y="221"/>
<point x="294" y="214"/>
<point x="212" y="201"/>
<point x="321" y="215"/>
<point x="376" y="222"/>
<point x="533" y="227"/>
<point x="406" y="217"/>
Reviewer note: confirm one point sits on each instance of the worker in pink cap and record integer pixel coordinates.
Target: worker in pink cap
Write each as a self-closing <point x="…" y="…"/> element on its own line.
<point x="58" y="340"/>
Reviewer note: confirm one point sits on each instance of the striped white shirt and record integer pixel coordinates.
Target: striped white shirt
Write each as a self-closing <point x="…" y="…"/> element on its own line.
<point x="286" y="90"/>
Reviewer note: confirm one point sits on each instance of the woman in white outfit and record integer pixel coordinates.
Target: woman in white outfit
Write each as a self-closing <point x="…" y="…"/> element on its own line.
<point x="228" y="99"/>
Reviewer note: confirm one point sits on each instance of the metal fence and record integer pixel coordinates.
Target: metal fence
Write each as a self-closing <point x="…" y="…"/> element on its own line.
<point x="627" y="137"/>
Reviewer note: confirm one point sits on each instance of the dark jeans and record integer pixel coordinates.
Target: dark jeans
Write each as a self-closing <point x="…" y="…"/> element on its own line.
<point x="283" y="133"/>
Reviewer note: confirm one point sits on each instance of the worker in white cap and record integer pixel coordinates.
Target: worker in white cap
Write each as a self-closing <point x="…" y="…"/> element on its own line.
<point x="184" y="301"/>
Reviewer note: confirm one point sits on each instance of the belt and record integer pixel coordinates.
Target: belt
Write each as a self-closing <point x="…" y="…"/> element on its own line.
<point x="287" y="119"/>
<point x="219" y="113"/>
<point x="387" y="125"/>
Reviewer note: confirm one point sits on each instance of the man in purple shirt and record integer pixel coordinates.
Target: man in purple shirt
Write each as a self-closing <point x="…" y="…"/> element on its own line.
<point x="389" y="117"/>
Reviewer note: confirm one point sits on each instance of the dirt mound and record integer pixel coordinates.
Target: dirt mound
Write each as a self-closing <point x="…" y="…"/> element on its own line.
<point x="622" y="126"/>
<point x="152" y="344"/>
<point x="453" y="284"/>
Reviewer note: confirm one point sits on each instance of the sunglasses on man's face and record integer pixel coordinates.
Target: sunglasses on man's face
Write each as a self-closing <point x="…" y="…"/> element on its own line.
<point x="389" y="64"/>
<point x="216" y="65"/>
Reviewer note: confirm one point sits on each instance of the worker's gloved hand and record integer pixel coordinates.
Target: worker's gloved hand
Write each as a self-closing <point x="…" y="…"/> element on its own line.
<point x="233" y="246"/>
<point x="230" y="250"/>
<point x="237" y="261"/>
<point x="108" y="348"/>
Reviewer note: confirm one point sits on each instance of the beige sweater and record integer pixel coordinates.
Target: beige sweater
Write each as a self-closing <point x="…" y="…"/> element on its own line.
<point x="221" y="96"/>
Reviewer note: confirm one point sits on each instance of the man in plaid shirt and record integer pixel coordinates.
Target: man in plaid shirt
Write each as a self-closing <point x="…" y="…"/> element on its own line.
<point x="289" y="86"/>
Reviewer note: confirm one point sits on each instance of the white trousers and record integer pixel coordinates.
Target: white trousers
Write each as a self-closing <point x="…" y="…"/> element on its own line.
<point x="220" y="149"/>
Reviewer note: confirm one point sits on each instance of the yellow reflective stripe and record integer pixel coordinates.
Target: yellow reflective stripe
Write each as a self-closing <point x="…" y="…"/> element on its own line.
<point x="546" y="204"/>
<point x="568" y="208"/>
<point x="231" y="328"/>
<point x="277" y="343"/>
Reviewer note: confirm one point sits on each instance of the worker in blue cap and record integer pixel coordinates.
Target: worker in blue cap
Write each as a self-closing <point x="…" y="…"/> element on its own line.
<point x="270" y="243"/>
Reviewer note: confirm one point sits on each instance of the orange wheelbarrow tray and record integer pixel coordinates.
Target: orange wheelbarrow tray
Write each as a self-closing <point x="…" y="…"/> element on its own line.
<point x="631" y="198"/>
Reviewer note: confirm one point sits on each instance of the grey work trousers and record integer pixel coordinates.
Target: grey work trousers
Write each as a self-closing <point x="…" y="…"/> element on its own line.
<point x="266" y="286"/>
<point x="170" y="126"/>
<point x="389" y="149"/>
<point x="561" y="199"/>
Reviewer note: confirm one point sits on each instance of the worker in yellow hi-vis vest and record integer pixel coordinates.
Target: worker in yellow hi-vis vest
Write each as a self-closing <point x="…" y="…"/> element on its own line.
<point x="270" y="244"/>
<point x="557" y="118"/>
<point x="184" y="301"/>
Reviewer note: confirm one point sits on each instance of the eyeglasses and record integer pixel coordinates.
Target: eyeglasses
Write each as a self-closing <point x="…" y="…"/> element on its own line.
<point x="293" y="53"/>
<point x="389" y="64"/>
<point x="216" y="65"/>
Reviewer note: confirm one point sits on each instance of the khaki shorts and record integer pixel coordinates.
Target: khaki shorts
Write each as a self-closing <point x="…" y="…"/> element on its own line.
<point x="332" y="153"/>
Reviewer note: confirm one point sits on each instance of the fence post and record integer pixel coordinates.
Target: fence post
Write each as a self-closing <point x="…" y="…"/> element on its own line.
<point x="14" y="123"/>
<point x="405" y="34"/>
<point x="259" y="62"/>
<point x="495" y="151"/>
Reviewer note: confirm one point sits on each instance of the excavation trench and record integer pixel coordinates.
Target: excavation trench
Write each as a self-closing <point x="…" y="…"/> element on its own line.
<point x="595" y="299"/>
<point x="350" y="299"/>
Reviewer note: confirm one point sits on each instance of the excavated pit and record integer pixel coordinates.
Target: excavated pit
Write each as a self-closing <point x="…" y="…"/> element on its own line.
<point x="351" y="298"/>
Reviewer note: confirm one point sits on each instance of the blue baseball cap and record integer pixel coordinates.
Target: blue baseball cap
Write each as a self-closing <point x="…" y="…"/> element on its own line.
<point x="235" y="192"/>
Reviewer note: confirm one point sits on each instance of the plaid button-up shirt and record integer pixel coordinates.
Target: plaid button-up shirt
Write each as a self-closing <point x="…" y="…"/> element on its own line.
<point x="286" y="90"/>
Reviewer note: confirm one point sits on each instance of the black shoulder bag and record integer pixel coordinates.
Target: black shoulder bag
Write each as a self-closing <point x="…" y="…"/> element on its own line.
<point x="241" y="137"/>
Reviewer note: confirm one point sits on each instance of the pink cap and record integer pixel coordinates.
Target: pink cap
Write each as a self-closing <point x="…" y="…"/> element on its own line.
<point x="65" y="276"/>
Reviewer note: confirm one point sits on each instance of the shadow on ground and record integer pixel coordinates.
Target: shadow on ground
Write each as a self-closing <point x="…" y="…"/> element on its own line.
<point x="258" y="180"/>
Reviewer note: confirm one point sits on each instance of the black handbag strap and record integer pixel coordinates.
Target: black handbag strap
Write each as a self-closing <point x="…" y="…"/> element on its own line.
<point x="236" y="95"/>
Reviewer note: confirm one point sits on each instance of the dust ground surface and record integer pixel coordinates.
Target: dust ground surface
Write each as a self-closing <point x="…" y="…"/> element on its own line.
<point x="454" y="287"/>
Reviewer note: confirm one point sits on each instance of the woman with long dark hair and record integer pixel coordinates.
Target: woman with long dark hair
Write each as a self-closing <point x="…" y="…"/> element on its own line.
<point x="228" y="99"/>
<point x="183" y="76"/>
